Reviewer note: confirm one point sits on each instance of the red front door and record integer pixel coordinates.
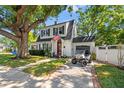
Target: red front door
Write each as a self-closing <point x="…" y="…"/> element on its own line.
<point x="59" y="48"/>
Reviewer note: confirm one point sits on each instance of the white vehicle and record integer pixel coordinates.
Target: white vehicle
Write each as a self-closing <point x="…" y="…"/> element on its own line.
<point x="82" y="57"/>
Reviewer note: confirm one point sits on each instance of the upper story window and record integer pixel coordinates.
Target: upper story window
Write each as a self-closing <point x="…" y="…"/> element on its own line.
<point x="48" y="32"/>
<point x="61" y="30"/>
<point x="45" y="32"/>
<point x="42" y="33"/>
<point x="55" y="31"/>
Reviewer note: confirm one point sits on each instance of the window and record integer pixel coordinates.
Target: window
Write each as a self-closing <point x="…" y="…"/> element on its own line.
<point x="55" y="31"/>
<point x="42" y="33"/>
<point x="39" y="47"/>
<point x="61" y="30"/>
<point x="45" y="46"/>
<point x="48" y="32"/>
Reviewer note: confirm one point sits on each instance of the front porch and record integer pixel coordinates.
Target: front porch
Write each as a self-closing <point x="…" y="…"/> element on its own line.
<point x="57" y="47"/>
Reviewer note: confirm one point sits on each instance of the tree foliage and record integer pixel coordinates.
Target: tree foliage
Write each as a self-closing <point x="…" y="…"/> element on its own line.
<point x="32" y="37"/>
<point x="103" y="22"/>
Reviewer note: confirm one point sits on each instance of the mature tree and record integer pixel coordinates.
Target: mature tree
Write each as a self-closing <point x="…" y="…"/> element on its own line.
<point x="101" y="21"/>
<point x="18" y="20"/>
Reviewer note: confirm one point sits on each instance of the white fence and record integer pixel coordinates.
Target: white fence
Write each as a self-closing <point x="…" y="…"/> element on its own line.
<point x="111" y="54"/>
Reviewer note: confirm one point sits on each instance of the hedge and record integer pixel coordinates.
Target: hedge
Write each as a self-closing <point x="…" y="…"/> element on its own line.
<point x="37" y="52"/>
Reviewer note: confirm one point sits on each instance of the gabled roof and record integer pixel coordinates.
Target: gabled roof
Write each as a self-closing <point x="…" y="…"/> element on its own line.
<point x="60" y="23"/>
<point x="69" y="30"/>
<point x="67" y="37"/>
<point x="83" y="39"/>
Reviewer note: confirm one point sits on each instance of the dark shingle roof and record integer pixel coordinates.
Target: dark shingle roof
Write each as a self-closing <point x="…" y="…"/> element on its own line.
<point x="83" y="39"/>
<point x="69" y="30"/>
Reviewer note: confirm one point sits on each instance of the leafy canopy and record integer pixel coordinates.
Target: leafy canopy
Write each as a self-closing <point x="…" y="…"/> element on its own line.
<point x="102" y="21"/>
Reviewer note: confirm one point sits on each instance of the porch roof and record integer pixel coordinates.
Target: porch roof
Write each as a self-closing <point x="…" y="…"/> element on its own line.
<point x="46" y="39"/>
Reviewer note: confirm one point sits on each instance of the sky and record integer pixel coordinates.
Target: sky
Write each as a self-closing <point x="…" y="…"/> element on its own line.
<point x="66" y="16"/>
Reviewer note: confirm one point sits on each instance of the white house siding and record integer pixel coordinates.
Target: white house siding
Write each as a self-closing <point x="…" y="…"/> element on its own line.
<point x="68" y="48"/>
<point x="54" y="47"/>
<point x="91" y="44"/>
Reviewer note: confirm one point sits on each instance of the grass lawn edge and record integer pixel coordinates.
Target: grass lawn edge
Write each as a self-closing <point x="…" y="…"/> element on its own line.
<point x="109" y="76"/>
<point x="39" y="70"/>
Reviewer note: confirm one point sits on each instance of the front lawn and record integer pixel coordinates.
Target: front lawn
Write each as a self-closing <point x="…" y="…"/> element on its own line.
<point x="45" y="68"/>
<point x="7" y="60"/>
<point x="110" y="76"/>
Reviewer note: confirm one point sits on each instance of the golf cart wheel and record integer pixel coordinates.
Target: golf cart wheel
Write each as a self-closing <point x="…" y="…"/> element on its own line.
<point x="89" y="61"/>
<point x="83" y="63"/>
<point x="74" y="61"/>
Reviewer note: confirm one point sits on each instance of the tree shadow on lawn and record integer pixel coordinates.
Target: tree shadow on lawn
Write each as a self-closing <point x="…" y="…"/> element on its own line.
<point x="110" y="76"/>
<point x="7" y="60"/>
<point x="17" y="79"/>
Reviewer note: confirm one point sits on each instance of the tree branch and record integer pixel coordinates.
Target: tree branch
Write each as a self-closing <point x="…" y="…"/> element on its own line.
<point x="40" y="20"/>
<point x="20" y="13"/>
<point x="26" y="21"/>
<point x="8" y="35"/>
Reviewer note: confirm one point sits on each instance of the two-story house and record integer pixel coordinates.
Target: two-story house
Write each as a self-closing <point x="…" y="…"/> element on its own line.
<point x="62" y="40"/>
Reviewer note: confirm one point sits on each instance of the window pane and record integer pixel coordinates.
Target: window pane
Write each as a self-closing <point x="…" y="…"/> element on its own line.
<point x="41" y="33"/>
<point x="39" y="47"/>
<point x="61" y="30"/>
<point x="48" y="32"/>
<point x="55" y="31"/>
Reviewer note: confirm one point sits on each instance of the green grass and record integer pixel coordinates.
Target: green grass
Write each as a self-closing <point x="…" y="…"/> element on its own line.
<point x="45" y="68"/>
<point x="6" y="60"/>
<point x="110" y="76"/>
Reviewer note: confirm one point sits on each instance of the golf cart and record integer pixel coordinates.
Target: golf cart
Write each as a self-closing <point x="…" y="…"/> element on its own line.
<point x="82" y="57"/>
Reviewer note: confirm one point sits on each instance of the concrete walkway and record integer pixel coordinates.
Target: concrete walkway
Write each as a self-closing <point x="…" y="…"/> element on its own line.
<point x="69" y="76"/>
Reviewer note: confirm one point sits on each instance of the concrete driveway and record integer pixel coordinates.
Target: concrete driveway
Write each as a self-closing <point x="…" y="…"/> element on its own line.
<point x="69" y="76"/>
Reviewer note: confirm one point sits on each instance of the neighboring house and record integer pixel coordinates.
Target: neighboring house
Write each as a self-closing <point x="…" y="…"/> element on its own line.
<point x="62" y="40"/>
<point x="2" y="47"/>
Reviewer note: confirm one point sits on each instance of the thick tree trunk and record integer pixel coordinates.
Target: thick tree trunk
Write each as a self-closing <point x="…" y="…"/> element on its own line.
<point x="23" y="46"/>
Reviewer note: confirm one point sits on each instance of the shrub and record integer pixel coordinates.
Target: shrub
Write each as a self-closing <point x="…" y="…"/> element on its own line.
<point x="93" y="56"/>
<point x="37" y="52"/>
<point x="47" y="52"/>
